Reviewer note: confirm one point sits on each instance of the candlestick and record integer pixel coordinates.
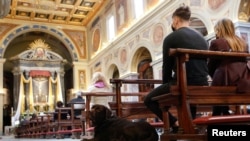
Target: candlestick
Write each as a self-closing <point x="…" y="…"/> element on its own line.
<point x="11" y="111"/>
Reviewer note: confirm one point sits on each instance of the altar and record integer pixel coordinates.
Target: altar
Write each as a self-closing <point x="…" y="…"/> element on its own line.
<point x="38" y="80"/>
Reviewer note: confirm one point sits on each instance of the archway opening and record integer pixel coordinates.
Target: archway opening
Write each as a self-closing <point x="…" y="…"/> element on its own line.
<point x="21" y="43"/>
<point x="141" y="64"/>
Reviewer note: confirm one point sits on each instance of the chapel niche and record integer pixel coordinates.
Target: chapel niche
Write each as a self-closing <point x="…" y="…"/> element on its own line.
<point x="38" y="79"/>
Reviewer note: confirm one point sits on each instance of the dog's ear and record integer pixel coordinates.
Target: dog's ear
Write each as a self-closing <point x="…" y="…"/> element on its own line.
<point x="100" y="113"/>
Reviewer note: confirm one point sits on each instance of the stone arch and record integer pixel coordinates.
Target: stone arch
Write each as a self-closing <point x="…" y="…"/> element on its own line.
<point x="205" y="22"/>
<point x="30" y="28"/>
<point x="198" y="25"/>
<point x="135" y="53"/>
<point x="113" y="71"/>
<point x="141" y="53"/>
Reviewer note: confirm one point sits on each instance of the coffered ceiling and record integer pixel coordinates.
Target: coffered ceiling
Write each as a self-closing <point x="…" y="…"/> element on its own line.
<point x="69" y="12"/>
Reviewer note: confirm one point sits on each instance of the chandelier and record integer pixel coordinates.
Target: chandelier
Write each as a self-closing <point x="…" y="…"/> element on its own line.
<point x="4" y="8"/>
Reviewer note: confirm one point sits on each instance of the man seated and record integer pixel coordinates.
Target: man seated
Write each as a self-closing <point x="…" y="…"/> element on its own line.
<point x="78" y="107"/>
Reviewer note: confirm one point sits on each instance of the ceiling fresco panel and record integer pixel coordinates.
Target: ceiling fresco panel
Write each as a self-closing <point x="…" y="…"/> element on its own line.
<point x="69" y="12"/>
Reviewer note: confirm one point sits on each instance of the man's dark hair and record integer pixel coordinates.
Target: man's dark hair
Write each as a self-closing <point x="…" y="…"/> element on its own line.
<point x="183" y="12"/>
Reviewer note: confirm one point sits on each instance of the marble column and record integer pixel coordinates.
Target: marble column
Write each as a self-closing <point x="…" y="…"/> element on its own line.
<point x="2" y="95"/>
<point x="61" y="75"/>
<point x="53" y="87"/>
<point x="26" y="87"/>
<point x="17" y="78"/>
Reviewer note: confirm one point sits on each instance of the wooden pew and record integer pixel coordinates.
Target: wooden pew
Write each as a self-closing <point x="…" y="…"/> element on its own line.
<point x="182" y="95"/>
<point x="34" y="127"/>
<point x="62" y="124"/>
<point x="113" y="105"/>
<point x="133" y="110"/>
<point x="127" y="110"/>
<point x="118" y="84"/>
<point x="77" y="122"/>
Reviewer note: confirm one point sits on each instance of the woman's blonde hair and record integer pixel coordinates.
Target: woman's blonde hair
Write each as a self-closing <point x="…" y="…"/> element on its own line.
<point x="97" y="77"/>
<point x="224" y="28"/>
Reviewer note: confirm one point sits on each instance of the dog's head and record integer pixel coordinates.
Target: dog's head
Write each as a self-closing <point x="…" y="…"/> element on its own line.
<point x="99" y="113"/>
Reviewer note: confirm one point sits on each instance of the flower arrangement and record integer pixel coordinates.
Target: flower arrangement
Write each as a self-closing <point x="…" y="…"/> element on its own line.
<point x="46" y="107"/>
<point x="37" y="108"/>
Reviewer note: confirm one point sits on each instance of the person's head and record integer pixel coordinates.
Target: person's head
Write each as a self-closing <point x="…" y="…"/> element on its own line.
<point x="181" y="17"/>
<point x="33" y="116"/>
<point x="99" y="77"/>
<point x="224" y="28"/>
<point x="79" y="94"/>
<point x="59" y="104"/>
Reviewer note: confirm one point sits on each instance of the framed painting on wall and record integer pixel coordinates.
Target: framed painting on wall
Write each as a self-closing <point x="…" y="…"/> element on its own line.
<point x="82" y="79"/>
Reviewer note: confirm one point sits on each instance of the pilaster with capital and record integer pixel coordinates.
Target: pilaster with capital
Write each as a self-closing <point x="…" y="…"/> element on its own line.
<point x="2" y="94"/>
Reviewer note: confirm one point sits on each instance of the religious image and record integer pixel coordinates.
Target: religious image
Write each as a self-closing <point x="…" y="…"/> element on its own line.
<point x="121" y="12"/>
<point x="79" y="38"/>
<point x="123" y="56"/>
<point x="158" y="34"/>
<point x="4" y="28"/>
<point x="40" y="48"/>
<point x="215" y="4"/>
<point x="40" y="90"/>
<point x="82" y="79"/>
<point x="151" y="3"/>
<point x="96" y="40"/>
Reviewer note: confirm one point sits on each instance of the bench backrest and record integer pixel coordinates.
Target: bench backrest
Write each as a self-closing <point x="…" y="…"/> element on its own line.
<point x="133" y="110"/>
<point x="213" y="95"/>
<point x="118" y="84"/>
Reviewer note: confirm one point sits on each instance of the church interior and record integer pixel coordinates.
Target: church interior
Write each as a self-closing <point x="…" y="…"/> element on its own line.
<point x="49" y="49"/>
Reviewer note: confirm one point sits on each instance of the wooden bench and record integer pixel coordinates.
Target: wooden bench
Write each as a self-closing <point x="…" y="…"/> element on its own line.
<point x="65" y="121"/>
<point x="125" y="106"/>
<point x="118" y="84"/>
<point x="63" y="125"/>
<point x="127" y="110"/>
<point x="182" y="95"/>
<point x="137" y="109"/>
<point x="38" y="127"/>
<point x="133" y="110"/>
<point x="34" y="127"/>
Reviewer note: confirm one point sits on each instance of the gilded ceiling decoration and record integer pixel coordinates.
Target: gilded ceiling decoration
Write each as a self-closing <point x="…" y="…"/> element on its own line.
<point x="69" y="12"/>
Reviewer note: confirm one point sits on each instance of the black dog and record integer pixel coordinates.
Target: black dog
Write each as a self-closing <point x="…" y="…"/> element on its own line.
<point x="110" y="128"/>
